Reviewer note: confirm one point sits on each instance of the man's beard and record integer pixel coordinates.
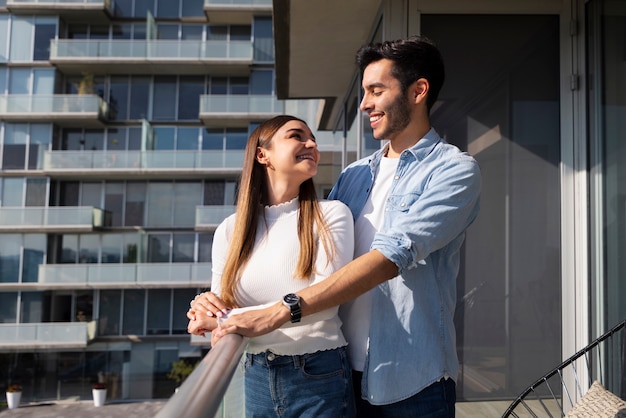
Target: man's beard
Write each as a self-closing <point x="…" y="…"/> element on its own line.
<point x="398" y="117"/>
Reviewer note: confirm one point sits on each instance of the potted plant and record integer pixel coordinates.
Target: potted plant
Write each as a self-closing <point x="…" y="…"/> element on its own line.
<point x="14" y="395"/>
<point x="99" y="392"/>
<point x="181" y="369"/>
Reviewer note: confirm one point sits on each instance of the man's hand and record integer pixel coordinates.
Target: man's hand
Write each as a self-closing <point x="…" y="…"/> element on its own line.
<point x="255" y="322"/>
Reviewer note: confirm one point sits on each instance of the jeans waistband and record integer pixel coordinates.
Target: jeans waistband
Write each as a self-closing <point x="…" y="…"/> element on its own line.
<point x="268" y="358"/>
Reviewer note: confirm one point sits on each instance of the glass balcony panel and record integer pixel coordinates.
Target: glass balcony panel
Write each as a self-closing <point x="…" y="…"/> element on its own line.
<point x="111" y="273"/>
<point x="19" y="104"/>
<point x="213" y="215"/>
<point x="45" y="334"/>
<point x="63" y="273"/>
<point x="48" y="216"/>
<point x="240" y="104"/>
<point x="152" y="49"/>
<point x="238" y="2"/>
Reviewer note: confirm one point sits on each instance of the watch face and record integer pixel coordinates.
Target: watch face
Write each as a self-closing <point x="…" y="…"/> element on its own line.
<point x="291" y="299"/>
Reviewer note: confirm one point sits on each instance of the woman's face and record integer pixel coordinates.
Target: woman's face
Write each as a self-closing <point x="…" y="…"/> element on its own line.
<point x="291" y="154"/>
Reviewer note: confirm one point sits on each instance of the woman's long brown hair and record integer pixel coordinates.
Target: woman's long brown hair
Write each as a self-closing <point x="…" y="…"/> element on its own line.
<point x="252" y="196"/>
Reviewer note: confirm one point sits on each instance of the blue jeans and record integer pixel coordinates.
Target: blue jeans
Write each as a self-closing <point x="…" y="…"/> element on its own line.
<point x="435" y="401"/>
<point x="309" y="385"/>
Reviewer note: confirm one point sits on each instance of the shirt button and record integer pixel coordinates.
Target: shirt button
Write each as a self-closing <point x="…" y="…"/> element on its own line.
<point x="396" y="177"/>
<point x="403" y="204"/>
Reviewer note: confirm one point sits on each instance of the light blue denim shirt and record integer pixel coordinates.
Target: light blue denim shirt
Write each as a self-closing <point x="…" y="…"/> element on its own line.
<point x="434" y="197"/>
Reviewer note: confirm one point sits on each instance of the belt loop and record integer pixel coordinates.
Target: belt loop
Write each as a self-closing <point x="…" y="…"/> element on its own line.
<point x="297" y="361"/>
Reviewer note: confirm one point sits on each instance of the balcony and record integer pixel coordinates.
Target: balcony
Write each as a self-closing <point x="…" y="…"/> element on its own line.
<point x="141" y="164"/>
<point x="68" y="10"/>
<point x="236" y="11"/>
<point x="103" y="276"/>
<point x="238" y="110"/>
<point x="47" y="335"/>
<point x="120" y="56"/>
<point x="68" y="110"/>
<point x="209" y="217"/>
<point x="52" y="219"/>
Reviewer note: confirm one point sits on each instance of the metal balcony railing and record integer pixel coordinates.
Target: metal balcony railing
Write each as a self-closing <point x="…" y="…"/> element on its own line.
<point x="202" y="392"/>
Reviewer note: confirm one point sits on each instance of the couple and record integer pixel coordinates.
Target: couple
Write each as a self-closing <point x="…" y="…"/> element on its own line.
<point x="411" y="203"/>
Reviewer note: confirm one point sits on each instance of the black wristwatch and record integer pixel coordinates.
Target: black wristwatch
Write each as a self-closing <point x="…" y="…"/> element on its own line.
<point x="292" y="301"/>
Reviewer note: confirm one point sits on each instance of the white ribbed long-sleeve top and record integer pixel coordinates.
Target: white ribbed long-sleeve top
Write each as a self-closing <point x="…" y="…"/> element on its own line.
<point x="269" y="274"/>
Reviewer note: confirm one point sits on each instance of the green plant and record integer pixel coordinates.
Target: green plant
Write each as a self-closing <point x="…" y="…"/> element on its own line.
<point x="14" y="388"/>
<point x="181" y="369"/>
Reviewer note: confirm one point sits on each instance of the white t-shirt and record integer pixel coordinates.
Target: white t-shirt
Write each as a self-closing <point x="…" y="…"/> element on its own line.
<point x="356" y="313"/>
<point x="268" y="275"/>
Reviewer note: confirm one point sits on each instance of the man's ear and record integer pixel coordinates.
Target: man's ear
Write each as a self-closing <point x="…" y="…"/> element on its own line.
<point x="420" y="90"/>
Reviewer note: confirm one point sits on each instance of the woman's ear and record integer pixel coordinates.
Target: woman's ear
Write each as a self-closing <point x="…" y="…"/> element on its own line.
<point x="261" y="156"/>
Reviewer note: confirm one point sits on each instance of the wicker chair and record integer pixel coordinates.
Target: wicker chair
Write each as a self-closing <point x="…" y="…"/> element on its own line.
<point x="563" y="391"/>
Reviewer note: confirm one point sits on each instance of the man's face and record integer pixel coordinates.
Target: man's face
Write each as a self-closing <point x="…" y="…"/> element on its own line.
<point x="384" y="101"/>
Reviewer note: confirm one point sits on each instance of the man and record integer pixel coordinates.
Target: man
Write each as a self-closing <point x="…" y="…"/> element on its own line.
<point x="412" y="202"/>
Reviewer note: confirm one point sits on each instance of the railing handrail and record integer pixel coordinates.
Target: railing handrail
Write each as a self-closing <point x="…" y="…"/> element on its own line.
<point x="202" y="392"/>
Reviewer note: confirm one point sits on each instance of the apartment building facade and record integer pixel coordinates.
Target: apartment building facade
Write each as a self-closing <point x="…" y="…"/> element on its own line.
<point x="122" y="129"/>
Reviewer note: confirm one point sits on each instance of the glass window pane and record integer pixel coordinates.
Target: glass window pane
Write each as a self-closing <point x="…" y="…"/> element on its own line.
<point x="114" y="201"/>
<point x="131" y="248"/>
<point x="186" y="197"/>
<point x="69" y="192"/>
<point x="112" y="248"/>
<point x="160" y="204"/>
<point x="181" y="304"/>
<point x="183" y="248"/>
<point x="19" y="81"/>
<point x="32" y="307"/>
<point x="69" y="249"/>
<point x="93" y="139"/>
<point x="189" y="97"/>
<point x="134" y="311"/>
<point x="187" y="139"/>
<point x="261" y="82"/>
<point x="238" y="85"/>
<point x="159" y="305"/>
<point x="109" y="317"/>
<point x="158" y="248"/>
<point x="164" y="102"/>
<point x="10" y="258"/>
<point x="43" y="81"/>
<point x="214" y="192"/>
<point x="167" y="31"/>
<point x="13" y="192"/>
<point x="14" y="150"/>
<point x="21" y="38"/>
<point x="89" y="249"/>
<point x="135" y="204"/>
<point x="205" y="246"/>
<point x="8" y="307"/>
<point x="168" y="8"/>
<point x="118" y="98"/>
<point x="134" y="138"/>
<point x="34" y="255"/>
<point x="4" y="34"/>
<point x="142" y="7"/>
<point x="40" y="140"/>
<point x="164" y="138"/>
<point x="139" y="97"/>
<point x="240" y="32"/>
<point x="91" y="194"/>
<point x="213" y="138"/>
<point x="217" y="33"/>
<point x="83" y="305"/>
<point x="116" y="139"/>
<point x="236" y="138"/>
<point x="193" y="8"/>
<point x="36" y="192"/>
<point x="192" y="32"/>
<point x="44" y="32"/>
<point x="263" y="39"/>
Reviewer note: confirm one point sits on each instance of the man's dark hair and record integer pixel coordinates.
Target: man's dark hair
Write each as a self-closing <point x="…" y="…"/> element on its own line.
<point x="413" y="58"/>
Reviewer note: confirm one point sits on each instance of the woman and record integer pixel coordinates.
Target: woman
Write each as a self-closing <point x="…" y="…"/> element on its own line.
<point x="280" y="240"/>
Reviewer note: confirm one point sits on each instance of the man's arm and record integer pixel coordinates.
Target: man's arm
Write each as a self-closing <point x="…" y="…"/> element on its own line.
<point x="352" y="280"/>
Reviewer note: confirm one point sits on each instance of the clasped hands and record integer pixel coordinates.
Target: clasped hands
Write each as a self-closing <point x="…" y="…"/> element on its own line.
<point x="208" y="313"/>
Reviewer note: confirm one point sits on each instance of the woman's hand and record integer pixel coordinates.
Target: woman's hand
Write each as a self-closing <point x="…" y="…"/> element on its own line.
<point x="201" y="326"/>
<point x="207" y="304"/>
